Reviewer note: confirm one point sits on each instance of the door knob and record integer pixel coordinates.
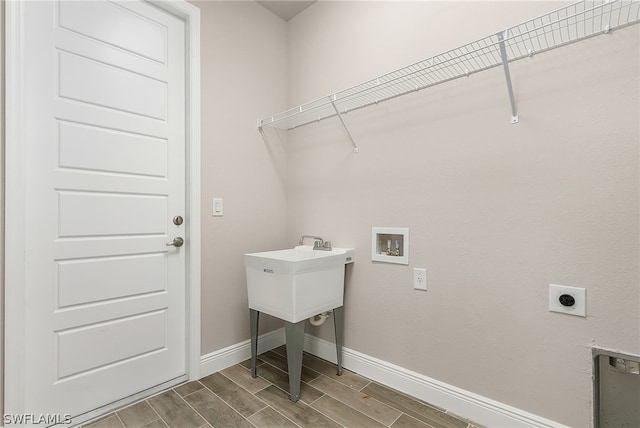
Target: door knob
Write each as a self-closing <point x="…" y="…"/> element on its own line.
<point x="177" y="242"/>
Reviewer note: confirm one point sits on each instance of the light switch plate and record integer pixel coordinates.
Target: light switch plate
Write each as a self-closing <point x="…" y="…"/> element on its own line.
<point x="218" y="207"/>
<point x="567" y="300"/>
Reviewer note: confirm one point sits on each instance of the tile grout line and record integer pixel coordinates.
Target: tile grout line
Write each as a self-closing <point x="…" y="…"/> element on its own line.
<point x="193" y="392"/>
<point x="271" y="383"/>
<point x="360" y="390"/>
<point x="197" y="413"/>
<point x="414" y="418"/>
<point x="307" y="404"/>
<point x="230" y="406"/>
<point x="284" y="416"/>
<point x="233" y="381"/>
<point x="159" y="419"/>
<point x="156" y="412"/>
<point x="120" y="420"/>
<point x="396" y="419"/>
<point x="241" y="387"/>
<point x="335" y="398"/>
<point x="370" y="397"/>
<point x="327" y="416"/>
<point x="314" y="401"/>
<point x="268" y="405"/>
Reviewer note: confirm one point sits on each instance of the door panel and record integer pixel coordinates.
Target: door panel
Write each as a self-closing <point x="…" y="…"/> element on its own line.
<point x="110" y="342"/>
<point x="83" y="79"/>
<point x="98" y="19"/>
<point x="105" y="92"/>
<point x="114" y="151"/>
<point x="96" y="279"/>
<point x="98" y="214"/>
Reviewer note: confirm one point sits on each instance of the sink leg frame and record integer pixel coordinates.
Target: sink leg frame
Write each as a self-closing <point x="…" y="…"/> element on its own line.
<point x="294" y="333"/>
<point x="294" y="336"/>
<point x="338" y="323"/>
<point x="254" y="320"/>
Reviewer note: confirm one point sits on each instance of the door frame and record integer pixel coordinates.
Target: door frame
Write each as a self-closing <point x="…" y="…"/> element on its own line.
<point x="15" y="185"/>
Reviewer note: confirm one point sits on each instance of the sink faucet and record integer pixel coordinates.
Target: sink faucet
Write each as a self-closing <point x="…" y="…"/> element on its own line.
<point x="318" y="243"/>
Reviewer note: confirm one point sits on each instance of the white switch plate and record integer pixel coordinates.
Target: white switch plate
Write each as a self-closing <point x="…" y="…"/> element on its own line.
<point x="218" y="207"/>
<point x="420" y="279"/>
<point x="578" y="294"/>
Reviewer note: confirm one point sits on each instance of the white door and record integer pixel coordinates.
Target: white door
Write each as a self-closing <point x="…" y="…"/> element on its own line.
<point x="105" y="155"/>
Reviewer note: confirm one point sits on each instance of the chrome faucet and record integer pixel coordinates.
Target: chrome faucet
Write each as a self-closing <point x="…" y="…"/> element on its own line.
<point x="318" y="243"/>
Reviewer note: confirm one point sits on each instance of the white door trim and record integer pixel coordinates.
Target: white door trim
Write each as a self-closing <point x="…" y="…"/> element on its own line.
<point x="15" y="166"/>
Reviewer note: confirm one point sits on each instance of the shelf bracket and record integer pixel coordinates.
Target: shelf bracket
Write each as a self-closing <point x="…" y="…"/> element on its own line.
<point x="505" y="65"/>
<point x="332" y="98"/>
<point x="262" y="134"/>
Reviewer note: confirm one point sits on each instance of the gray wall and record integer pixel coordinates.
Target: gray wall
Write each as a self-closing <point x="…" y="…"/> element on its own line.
<point x="244" y="58"/>
<point x="2" y="208"/>
<point x="496" y="211"/>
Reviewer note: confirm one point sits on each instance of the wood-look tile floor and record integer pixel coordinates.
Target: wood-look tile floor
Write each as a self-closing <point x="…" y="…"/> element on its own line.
<point x="232" y="398"/>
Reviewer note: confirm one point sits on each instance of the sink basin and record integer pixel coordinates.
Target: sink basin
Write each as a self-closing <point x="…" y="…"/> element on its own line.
<point x="296" y="283"/>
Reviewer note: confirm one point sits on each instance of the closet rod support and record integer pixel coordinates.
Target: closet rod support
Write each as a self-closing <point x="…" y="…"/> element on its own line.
<point x="505" y="65"/>
<point x="332" y="98"/>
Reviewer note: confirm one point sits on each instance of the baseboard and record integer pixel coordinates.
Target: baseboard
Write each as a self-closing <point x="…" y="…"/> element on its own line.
<point x="458" y="401"/>
<point x="234" y="354"/>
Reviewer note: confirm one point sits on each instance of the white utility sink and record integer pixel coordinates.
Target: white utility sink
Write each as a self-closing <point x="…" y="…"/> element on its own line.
<point x="296" y="283"/>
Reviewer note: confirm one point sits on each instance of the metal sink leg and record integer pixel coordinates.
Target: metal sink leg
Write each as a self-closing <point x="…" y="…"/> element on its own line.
<point x="294" y="333"/>
<point x="338" y="322"/>
<point x="254" y="317"/>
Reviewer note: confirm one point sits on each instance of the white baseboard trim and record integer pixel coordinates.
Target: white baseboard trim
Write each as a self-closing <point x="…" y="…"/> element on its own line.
<point x="458" y="401"/>
<point x="234" y="354"/>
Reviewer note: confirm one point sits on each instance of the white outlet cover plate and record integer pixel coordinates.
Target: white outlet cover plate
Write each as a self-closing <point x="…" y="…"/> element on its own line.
<point x="420" y="279"/>
<point x="218" y="207"/>
<point x="579" y="294"/>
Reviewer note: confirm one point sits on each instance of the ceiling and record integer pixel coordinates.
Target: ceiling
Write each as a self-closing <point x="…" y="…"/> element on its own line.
<point x="286" y="9"/>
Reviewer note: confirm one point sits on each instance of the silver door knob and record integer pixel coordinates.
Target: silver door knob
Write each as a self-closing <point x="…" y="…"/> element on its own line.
<point x="177" y="242"/>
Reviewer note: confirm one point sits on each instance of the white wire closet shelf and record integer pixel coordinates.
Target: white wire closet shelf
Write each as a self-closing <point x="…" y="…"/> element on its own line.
<point x="560" y="27"/>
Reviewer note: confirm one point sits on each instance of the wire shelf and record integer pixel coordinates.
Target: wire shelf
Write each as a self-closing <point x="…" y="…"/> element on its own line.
<point x="569" y="24"/>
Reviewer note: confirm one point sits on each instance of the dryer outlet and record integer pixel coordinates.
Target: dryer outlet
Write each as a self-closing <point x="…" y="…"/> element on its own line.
<point x="567" y="300"/>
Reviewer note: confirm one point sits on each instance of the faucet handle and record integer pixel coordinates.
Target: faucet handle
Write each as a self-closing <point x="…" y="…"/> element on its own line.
<point x="317" y="244"/>
<point x="327" y="245"/>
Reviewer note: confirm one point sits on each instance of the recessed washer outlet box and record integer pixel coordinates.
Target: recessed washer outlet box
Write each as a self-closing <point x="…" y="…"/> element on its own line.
<point x="567" y="300"/>
<point x="390" y="245"/>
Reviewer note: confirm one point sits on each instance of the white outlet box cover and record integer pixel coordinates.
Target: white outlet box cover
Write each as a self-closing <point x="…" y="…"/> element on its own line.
<point x="218" y="207"/>
<point x="579" y="295"/>
<point x="420" y="279"/>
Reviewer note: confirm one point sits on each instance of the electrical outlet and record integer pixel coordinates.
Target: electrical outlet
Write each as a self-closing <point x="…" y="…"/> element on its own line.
<point x="567" y="300"/>
<point x="420" y="279"/>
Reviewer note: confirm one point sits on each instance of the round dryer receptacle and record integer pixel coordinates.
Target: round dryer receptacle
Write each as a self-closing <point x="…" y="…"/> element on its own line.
<point x="567" y="300"/>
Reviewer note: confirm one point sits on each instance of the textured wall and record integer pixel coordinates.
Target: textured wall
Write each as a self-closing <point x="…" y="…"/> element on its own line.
<point x="496" y="211"/>
<point x="243" y="73"/>
<point x="2" y="41"/>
